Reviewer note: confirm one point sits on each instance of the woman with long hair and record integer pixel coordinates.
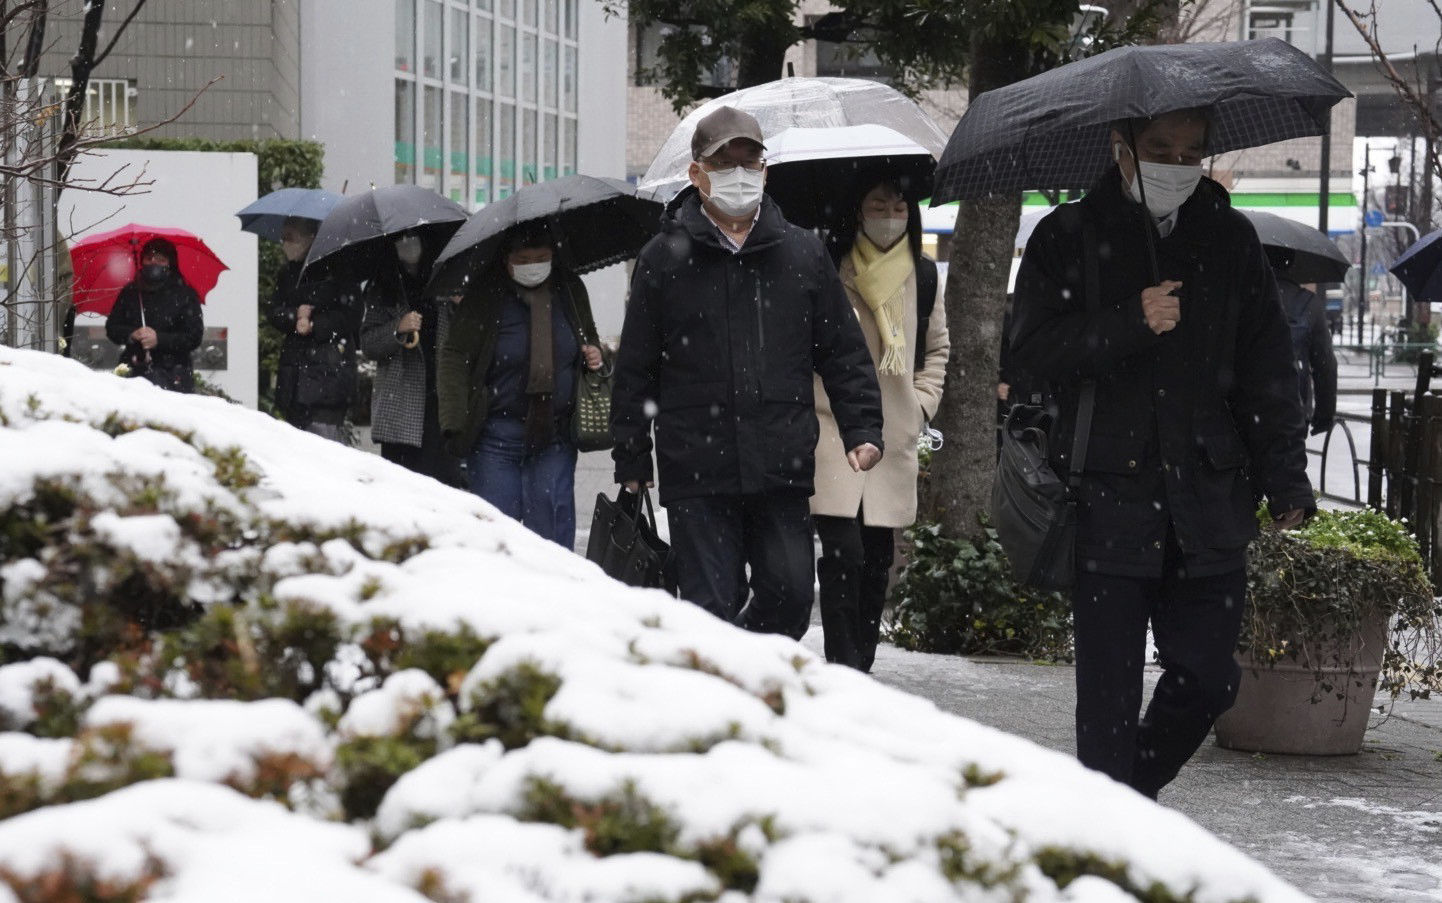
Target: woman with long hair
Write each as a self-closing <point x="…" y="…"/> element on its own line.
<point x="877" y="249"/>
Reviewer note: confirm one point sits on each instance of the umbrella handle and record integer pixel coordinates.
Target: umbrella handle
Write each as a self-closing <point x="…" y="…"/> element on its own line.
<point x="412" y="339"/>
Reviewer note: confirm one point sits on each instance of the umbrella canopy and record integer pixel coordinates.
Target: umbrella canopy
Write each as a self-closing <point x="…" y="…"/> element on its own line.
<point x="357" y="222"/>
<point x="795" y="103"/>
<point x="1052" y="131"/>
<point x="596" y="222"/>
<point x="106" y="263"/>
<point x="1420" y="267"/>
<point x="810" y="170"/>
<point x="266" y="215"/>
<point x="1315" y="258"/>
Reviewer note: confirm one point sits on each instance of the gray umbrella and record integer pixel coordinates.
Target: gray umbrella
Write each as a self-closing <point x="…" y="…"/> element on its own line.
<point x="1313" y="256"/>
<point x="595" y="222"/>
<point x="1052" y="131"/>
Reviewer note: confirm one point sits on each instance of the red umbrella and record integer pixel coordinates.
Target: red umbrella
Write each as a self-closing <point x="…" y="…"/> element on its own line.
<point x="106" y="263"/>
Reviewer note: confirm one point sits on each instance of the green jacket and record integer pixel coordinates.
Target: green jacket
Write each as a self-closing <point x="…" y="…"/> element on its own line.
<point x="465" y="358"/>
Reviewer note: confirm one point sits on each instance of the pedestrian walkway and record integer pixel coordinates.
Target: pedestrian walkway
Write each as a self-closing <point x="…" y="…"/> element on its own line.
<point x="1359" y="829"/>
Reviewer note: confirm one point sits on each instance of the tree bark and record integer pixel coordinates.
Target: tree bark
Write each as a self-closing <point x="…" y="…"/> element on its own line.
<point x="81" y="65"/>
<point x="958" y="490"/>
<point x="763" y="57"/>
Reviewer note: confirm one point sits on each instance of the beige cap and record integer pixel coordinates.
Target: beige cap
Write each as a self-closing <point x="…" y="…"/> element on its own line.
<point x="720" y="126"/>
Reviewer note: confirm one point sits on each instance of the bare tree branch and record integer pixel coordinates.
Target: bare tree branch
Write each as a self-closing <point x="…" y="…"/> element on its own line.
<point x="115" y="38"/>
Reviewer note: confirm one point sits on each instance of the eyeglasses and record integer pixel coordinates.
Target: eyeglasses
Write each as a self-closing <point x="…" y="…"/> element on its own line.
<point x="727" y="167"/>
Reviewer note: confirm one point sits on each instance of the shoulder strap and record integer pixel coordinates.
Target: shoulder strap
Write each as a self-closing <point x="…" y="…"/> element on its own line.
<point x="926" y="278"/>
<point x="1086" y="404"/>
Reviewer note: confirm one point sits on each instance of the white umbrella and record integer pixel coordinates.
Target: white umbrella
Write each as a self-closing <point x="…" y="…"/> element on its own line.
<point x="807" y="103"/>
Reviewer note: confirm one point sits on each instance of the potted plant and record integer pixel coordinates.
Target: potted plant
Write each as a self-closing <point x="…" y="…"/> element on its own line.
<point x="1336" y="610"/>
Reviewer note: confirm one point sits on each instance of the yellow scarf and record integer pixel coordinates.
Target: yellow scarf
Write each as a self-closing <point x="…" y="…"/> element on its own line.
<point x="881" y="278"/>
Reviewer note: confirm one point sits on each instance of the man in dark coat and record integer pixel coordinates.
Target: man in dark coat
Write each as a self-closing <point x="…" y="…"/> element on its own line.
<point x="320" y="319"/>
<point x="1311" y="348"/>
<point x="1196" y="414"/>
<point x="157" y="318"/>
<point x="731" y="311"/>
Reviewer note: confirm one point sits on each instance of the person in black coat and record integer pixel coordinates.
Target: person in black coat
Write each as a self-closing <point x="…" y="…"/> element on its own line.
<point x="157" y="318"/>
<point x="731" y="311"/>
<point x="320" y="319"/>
<point x="1196" y="414"/>
<point x="1311" y="345"/>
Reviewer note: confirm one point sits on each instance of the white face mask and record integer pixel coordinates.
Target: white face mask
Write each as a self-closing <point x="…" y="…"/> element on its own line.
<point x="294" y="250"/>
<point x="884" y="231"/>
<point x="408" y="249"/>
<point x="738" y="192"/>
<point x="1168" y="185"/>
<point x="531" y="274"/>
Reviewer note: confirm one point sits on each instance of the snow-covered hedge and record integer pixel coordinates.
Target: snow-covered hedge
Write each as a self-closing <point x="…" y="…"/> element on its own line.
<point x="244" y="663"/>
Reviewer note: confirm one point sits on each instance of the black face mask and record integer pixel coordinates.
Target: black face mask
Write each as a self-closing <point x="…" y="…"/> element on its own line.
<point x="154" y="273"/>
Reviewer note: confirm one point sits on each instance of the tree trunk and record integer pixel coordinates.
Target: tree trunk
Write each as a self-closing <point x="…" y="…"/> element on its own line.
<point x="81" y="65"/>
<point x="764" y="55"/>
<point x="958" y="489"/>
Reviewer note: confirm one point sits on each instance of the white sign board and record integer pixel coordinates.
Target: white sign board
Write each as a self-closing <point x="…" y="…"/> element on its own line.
<point x="200" y="193"/>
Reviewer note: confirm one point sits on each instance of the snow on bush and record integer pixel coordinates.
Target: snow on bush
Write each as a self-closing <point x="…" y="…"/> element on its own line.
<point x="313" y="675"/>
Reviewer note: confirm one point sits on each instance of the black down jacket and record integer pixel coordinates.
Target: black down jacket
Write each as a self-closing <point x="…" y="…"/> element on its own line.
<point x="1191" y="426"/>
<point x="172" y="309"/>
<point x="316" y="378"/>
<point x="719" y="347"/>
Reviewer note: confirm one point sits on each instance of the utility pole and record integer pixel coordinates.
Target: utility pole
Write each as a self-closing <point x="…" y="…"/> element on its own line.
<point x="1362" y="283"/>
<point x="1324" y="189"/>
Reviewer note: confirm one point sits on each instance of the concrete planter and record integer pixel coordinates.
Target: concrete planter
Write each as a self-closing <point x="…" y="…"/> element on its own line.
<point x="1274" y="712"/>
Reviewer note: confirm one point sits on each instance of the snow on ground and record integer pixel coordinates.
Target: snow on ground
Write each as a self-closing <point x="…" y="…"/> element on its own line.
<point x="490" y="717"/>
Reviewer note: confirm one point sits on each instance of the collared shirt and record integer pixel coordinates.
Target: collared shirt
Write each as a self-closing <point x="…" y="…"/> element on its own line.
<point x="1166" y="224"/>
<point x="726" y="236"/>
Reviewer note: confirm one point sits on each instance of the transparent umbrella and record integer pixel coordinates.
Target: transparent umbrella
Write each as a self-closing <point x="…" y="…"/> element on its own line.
<point x="795" y="103"/>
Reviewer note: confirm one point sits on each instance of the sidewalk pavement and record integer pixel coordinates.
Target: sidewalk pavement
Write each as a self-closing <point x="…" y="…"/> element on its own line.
<point x="1351" y="829"/>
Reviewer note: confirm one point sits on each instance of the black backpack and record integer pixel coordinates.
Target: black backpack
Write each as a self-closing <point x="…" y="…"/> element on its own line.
<point x="926" y="278"/>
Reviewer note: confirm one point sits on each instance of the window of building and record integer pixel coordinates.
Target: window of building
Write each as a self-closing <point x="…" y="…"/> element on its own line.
<point x="483" y="54"/>
<point x="485" y="103"/>
<point x="405" y="35"/>
<point x="460" y="37"/>
<point x="109" y="105"/>
<point x="405" y="131"/>
<point x="506" y="151"/>
<point x="433" y="28"/>
<point x="484" y="153"/>
<point x="1291" y="20"/>
<point x="458" y="150"/>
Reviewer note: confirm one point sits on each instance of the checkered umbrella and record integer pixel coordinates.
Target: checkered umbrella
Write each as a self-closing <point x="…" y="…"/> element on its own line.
<point x="1052" y="131"/>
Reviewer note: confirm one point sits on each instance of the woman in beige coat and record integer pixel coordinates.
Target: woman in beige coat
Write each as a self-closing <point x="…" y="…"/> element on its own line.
<point x="878" y="252"/>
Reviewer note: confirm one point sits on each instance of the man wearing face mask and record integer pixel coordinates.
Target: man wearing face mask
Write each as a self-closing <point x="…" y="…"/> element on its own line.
<point x="157" y="318"/>
<point x="732" y="310"/>
<point x="402" y="330"/>
<point x="1187" y="369"/>
<point x="320" y="319"/>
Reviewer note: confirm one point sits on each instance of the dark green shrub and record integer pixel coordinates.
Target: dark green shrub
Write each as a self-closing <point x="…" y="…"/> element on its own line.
<point x="958" y="596"/>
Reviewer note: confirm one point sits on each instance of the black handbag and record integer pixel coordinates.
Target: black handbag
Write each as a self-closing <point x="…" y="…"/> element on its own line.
<point x="625" y="543"/>
<point x="1033" y="510"/>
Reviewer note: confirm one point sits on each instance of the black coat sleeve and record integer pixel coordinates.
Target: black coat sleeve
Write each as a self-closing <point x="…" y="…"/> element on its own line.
<point x="337" y="313"/>
<point x="1053" y="336"/>
<point x="280" y="312"/>
<point x="1264" y="401"/>
<point x="841" y="358"/>
<point x="185" y="333"/>
<point x="1324" y="366"/>
<point x="124" y="316"/>
<point x="378" y="327"/>
<point x="633" y="388"/>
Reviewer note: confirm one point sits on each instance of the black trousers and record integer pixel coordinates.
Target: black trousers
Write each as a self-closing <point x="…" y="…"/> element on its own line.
<point x="714" y="539"/>
<point x="853" y="569"/>
<point x="1195" y="622"/>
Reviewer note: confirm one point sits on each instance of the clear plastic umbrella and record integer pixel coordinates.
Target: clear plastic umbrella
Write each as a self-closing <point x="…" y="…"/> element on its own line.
<point x="796" y="103"/>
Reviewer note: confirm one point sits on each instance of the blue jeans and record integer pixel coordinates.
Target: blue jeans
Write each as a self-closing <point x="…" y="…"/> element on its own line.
<point x="539" y="490"/>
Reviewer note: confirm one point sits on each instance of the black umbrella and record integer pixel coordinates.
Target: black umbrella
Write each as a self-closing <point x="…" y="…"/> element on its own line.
<point x="1314" y="257"/>
<point x="595" y="222"/>
<point x="1052" y="131"/>
<point x="351" y="229"/>
<point x="810" y="172"/>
